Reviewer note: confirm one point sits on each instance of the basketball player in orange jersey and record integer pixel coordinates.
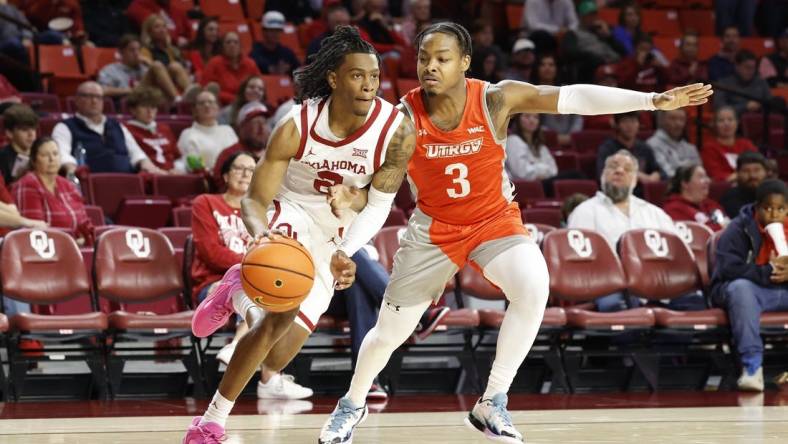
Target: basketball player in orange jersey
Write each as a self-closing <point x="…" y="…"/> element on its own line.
<point x="340" y="133"/>
<point x="465" y="214"/>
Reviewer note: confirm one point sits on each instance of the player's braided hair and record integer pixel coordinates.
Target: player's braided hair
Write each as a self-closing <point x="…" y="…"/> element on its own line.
<point x="310" y="80"/>
<point x="450" y="28"/>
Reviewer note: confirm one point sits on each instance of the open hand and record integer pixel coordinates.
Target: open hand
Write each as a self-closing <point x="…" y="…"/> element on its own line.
<point x="343" y="269"/>
<point x="341" y="197"/>
<point x="690" y="95"/>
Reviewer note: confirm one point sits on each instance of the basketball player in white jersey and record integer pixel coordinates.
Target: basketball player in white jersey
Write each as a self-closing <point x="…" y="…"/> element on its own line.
<point x="340" y="134"/>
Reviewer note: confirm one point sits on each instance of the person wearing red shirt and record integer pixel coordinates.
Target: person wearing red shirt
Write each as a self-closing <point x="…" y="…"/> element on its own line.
<point x="206" y="44"/>
<point x="173" y="14"/>
<point x="43" y="195"/>
<point x="155" y="138"/>
<point x="229" y="69"/>
<point x="686" y="68"/>
<point x="688" y="199"/>
<point x="642" y="71"/>
<point x="720" y="153"/>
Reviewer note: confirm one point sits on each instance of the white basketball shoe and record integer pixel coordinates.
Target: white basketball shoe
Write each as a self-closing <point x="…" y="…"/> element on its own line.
<point x="339" y="427"/>
<point x="489" y="416"/>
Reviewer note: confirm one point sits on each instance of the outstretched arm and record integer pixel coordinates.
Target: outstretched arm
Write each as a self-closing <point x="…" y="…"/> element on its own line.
<point x="268" y="176"/>
<point x="385" y="184"/>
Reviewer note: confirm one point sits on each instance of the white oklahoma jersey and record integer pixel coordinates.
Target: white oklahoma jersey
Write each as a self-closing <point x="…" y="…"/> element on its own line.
<point x="323" y="160"/>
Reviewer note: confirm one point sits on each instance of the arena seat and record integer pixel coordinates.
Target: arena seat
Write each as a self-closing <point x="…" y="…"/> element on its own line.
<point x="387" y="243"/>
<point x="660" y="22"/>
<point x="701" y="20"/>
<point x="514" y="16"/>
<point x="668" y="46"/>
<point x="41" y="102"/>
<point x="254" y="9"/>
<point x="240" y="27"/>
<point x="177" y="123"/>
<point x="752" y="125"/>
<point x="278" y="89"/>
<point x="696" y="236"/>
<point x="228" y="10"/>
<point x="544" y="216"/>
<point x="387" y="91"/>
<point x="396" y="218"/>
<point x="609" y="15"/>
<point x="405" y="85"/>
<point x="176" y="235"/>
<point x="60" y="63"/>
<point x="404" y="199"/>
<point x="707" y="46"/>
<point x="567" y="187"/>
<point x="654" y="192"/>
<point x="527" y="191"/>
<point x="718" y="188"/>
<point x="95" y="214"/>
<point x="182" y="216"/>
<point x="566" y="160"/>
<point x="538" y="231"/>
<point x="45" y="269"/>
<point x="758" y="45"/>
<point x="136" y="269"/>
<point x="71" y="105"/>
<point x="95" y="58"/>
<point x="122" y="197"/>
<point x="179" y="186"/>
<point x="589" y="140"/>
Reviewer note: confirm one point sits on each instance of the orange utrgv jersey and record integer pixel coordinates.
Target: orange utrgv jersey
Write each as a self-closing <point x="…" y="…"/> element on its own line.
<point x="458" y="176"/>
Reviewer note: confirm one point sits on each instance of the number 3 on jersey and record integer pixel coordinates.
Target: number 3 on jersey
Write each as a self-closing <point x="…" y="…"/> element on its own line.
<point x="459" y="172"/>
<point x="326" y="180"/>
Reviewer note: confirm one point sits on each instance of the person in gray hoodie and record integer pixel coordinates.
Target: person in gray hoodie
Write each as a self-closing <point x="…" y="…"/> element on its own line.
<point x="670" y="146"/>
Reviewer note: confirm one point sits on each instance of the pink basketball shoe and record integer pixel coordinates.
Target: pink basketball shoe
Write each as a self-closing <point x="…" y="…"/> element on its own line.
<point x="208" y="433"/>
<point x="213" y="312"/>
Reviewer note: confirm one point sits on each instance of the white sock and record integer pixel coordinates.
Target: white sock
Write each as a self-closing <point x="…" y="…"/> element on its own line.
<point x="218" y="410"/>
<point x="392" y="329"/>
<point x="521" y="273"/>
<point x="241" y="303"/>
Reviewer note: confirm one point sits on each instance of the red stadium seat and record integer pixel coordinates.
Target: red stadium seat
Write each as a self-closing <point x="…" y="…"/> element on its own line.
<point x="550" y="139"/>
<point x="567" y="187"/>
<point x="387" y="243"/>
<point x="137" y="270"/>
<point x="396" y="218"/>
<point x="45" y="269"/>
<point x="514" y="15"/>
<point x="227" y="10"/>
<point x="176" y="123"/>
<point x="387" y="91"/>
<point x="544" y="216"/>
<point x="95" y="214"/>
<point x="254" y="9"/>
<point x="668" y="46"/>
<point x="566" y="160"/>
<point x="71" y="105"/>
<point x="758" y="45"/>
<point x="176" y="235"/>
<point x="41" y="102"/>
<point x="405" y="85"/>
<point x="752" y="126"/>
<point x="538" y="231"/>
<point x="95" y="58"/>
<point x="660" y="22"/>
<point x="707" y="46"/>
<point x="654" y="192"/>
<point x="717" y="189"/>
<point x="144" y="211"/>
<point x="109" y="189"/>
<point x="701" y="20"/>
<point x="179" y="186"/>
<point x="182" y="216"/>
<point x="278" y="89"/>
<point x="697" y="236"/>
<point x="609" y="15"/>
<point x="589" y="140"/>
<point x="404" y="199"/>
<point x="61" y="63"/>
<point x="527" y="191"/>
<point x="239" y="27"/>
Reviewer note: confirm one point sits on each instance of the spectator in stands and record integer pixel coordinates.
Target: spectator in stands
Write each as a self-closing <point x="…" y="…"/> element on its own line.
<point x="548" y="20"/>
<point x="201" y="143"/>
<point x="376" y="21"/>
<point x="746" y="80"/>
<point x="99" y="142"/>
<point x="229" y="69"/>
<point x="419" y="17"/>
<point x="720" y="152"/>
<point x="750" y="172"/>
<point x="119" y="78"/>
<point x="173" y="14"/>
<point x="220" y="240"/>
<point x="628" y="31"/>
<point x="527" y="157"/>
<point x="547" y="73"/>
<point x="605" y="75"/>
<point x="688" y="198"/>
<point x="614" y="210"/>
<point x="10" y="219"/>
<point x="296" y="11"/>
<point x="738" y="14"/>
<point x="43" y="195"/>
<point x="591" y="44"/>
<point x="253" y="132"/>
<point x="14" y="39"/>
<point x="568" y="206"/>
<point x="106" y="21"/>
<point x="336" y="15"/>
<point x="774" y="67"/>
<point x="521" y="61"/>
<point x="686" y="68"/>
<point x="643" y="71"/>
<point x="483" y="45"/>
<point x="669" y="144"/>
<point x="485" y="64"/>
<point x="155" y="138"/>
<point x="157" y="47"/>
<point x="627" y="127"/>
<point x="40" y="12"/>
<point x="270" y="55"/>
<point x="21" y="127"/>
<point x="251" y="90"/>
<point x="206" y="44"/>
<point x="749" y="278"/>
<point x="721" y="64"/>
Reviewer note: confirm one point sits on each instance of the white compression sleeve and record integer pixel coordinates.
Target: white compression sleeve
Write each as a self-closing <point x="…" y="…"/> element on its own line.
<point x="590" y="100"/>
<point x="368" y="222"/>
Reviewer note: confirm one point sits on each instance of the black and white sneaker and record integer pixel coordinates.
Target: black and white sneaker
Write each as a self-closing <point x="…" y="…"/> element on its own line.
<point x="339" y="427"/>
<point x="429" y="322"/>
<point x="490" y="417"/>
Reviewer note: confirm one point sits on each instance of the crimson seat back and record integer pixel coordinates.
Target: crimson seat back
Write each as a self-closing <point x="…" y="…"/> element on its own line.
<point x="138" y="266"/>
<point x="542" y="216"/>
<point x="387" y="243"/>
<point x="566" y="188"/>
<point x="658" y="264"/>
<point x="582" y="265"/>
<point x="697" y="236"/>
<point x="538" y="231"/>
<point x="178" y="186"/>
<point x="108" y="190"/>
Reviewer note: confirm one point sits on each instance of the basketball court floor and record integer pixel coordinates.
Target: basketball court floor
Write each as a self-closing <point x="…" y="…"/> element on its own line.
<point x="624" y="418"/>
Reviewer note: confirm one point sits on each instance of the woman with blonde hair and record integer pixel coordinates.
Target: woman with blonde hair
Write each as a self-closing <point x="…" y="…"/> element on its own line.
<point x="157" y="47"/>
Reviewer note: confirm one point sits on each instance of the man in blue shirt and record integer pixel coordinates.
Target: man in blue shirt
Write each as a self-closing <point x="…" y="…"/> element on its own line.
<point x="271" y="56"/>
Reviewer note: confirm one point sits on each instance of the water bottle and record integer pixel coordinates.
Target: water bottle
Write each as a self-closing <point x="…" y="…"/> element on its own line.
<point x="79" y="155"/>
<point x="75" y="180"/>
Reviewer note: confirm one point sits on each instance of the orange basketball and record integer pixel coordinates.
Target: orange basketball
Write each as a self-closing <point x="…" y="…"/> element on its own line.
<point x="277" y="274"/>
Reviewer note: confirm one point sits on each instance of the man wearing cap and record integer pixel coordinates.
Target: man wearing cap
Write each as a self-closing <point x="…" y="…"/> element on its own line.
<point x="253" y="132"/>
<point x="751" y="168"/>
<point x="522" y="61"/>
<point x="271" y="56"/>
<point x="591" y="44"/>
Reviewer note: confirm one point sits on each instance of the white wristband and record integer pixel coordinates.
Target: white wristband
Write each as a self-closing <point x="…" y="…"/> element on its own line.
<point x="590" y="100"/>
<point x="368" y="222"/>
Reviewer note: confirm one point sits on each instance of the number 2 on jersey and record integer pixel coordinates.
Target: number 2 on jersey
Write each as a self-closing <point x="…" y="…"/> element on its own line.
<point x="459" y="172"/>
<point x="326" y="180"/>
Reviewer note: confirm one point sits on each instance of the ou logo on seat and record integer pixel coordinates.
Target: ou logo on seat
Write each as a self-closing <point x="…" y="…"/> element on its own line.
<point x="137" y="243"/>
<point x="656" y="243"/>
<point x="580" y="243"/>
<point x="534" y="232"/>
<point x="42" y="244"/>
<point x="684" y="232"/>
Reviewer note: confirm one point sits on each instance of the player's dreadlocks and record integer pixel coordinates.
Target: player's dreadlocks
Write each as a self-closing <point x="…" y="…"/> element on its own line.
<point x="450" y="28"/>
<point x="310" y="80"/>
